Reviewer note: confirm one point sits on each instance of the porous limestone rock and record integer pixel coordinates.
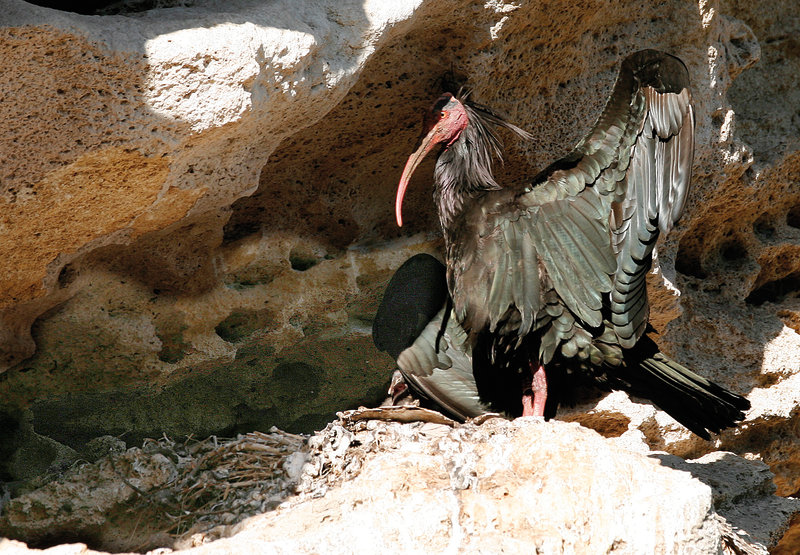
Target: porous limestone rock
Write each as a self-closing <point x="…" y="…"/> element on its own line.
<point x="196" y="204"/>
<point x="500" y="487"/>
<point x="510" y="487"/>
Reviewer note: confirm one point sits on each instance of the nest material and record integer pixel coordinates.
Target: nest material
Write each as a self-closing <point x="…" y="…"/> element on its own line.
<point x="181" y="493"/>
<point x="224" y="481"/>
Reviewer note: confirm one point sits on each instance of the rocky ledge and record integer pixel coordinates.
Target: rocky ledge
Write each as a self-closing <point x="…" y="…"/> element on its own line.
<point x="421" y="487"/>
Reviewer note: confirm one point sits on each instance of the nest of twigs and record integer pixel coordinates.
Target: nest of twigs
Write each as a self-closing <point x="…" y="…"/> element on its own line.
<point x="182" y="493"/>
<point x="223" y="481"/>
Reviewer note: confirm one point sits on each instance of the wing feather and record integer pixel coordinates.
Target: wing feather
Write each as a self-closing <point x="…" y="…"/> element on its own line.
<point x="528" y="295"/>
<point x="577" y="282"/>
<point x="656" y="183"/>
<point x="439" y="367"/>
<point x="585" y="228"/>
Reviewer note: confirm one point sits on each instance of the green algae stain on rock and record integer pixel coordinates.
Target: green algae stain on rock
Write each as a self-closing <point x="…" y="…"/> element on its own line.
<point x="298" y="389"/>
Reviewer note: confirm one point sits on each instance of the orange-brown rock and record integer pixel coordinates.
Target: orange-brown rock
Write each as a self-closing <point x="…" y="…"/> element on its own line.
<point x="196" y="204"/>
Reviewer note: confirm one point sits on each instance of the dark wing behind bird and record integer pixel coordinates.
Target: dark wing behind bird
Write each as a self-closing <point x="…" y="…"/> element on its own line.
<point x="434" y="357"/>
<point x="554" y="251"/>
<point x="416" y="292"/>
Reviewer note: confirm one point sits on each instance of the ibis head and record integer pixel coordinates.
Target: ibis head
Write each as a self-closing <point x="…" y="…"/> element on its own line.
<point x="442" y="125"/>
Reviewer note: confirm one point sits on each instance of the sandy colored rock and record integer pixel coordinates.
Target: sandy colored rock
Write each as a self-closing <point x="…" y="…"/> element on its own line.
<point x="504" y="487"/>
<point x="197" y="204"/>
<point x="55" y="220"/>
<point x="423" y="487"/>
<point x="11" y="547"/>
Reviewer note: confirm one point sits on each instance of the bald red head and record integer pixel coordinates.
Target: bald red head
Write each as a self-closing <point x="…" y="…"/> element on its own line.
<point x="442" y="124"/>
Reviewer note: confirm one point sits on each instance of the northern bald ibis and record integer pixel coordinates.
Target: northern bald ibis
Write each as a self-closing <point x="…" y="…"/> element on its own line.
<point x="546" y="276"/>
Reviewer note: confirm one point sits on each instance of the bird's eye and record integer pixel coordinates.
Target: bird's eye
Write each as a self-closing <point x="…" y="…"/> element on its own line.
<point x="443" y="114"/>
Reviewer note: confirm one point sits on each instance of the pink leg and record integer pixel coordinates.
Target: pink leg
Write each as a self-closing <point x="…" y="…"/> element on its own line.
<point x="534" y="397"/>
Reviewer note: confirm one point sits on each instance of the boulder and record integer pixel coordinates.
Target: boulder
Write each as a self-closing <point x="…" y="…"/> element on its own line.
<point x="358" y="485"/>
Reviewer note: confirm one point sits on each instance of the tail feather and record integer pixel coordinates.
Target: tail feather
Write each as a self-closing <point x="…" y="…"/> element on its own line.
<point x="697" y="403"/>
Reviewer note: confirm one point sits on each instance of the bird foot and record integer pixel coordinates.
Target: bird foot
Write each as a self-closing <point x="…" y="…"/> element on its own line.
<point x="534" y="395"/>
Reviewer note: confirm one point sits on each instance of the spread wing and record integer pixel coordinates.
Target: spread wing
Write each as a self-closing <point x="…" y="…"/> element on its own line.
<point x="438" y="366"/>
<point x="434" y="356"/>
<point x="577" y="242"/>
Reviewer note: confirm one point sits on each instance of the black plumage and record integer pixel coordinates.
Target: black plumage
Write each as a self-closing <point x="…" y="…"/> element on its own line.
<point x="547" y="277"/>
<point x="416" y="292"/>
<point x="432" y="352"/>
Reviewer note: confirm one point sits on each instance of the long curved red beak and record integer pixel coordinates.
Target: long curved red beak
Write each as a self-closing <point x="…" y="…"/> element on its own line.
<point x="426" y="145"/>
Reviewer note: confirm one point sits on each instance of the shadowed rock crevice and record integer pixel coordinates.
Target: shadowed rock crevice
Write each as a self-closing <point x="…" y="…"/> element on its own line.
<point x="764" y="227"/>
<point x="111" y="7"/>
<point x="776" y="291"/>
<point x="793" y="217"/>
<point x="688" y="261"/>
<point x="242" y="323"/>
<point x="258" y="390"/>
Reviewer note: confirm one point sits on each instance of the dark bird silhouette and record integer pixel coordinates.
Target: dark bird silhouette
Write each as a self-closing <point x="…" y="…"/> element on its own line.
<point x="547" y="277"/>
<point x="432" y="352"/>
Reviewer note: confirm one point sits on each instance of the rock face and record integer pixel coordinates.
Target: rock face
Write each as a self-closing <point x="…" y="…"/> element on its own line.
<point x="509" y="487"/>
<point x="196" y="206"/>
<point x="502" y="487"/>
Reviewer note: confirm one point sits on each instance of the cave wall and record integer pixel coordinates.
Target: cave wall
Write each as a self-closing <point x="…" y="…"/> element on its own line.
<point x="196" y="220"/>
